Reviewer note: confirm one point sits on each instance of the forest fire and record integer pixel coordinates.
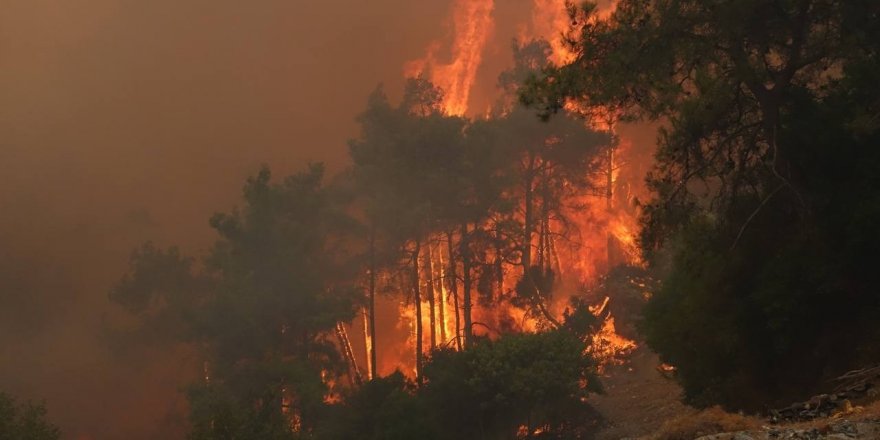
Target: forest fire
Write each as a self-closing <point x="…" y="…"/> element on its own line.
<point x="596" y="234"/>
<point x="456" y="219"/>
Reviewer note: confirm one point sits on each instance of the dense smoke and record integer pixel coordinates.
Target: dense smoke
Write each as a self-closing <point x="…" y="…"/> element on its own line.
<point x="125" y="121"/>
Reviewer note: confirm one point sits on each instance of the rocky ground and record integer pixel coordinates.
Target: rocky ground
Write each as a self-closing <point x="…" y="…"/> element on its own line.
<point x="824" y="430"/>
<point x="642" y="403"/>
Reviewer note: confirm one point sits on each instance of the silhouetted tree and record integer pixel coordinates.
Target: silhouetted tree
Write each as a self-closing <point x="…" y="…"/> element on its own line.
<point x="25" y="421"/>
<point x="401" y="161"/>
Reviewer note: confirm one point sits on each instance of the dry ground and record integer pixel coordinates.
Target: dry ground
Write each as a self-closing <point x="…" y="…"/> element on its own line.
<point x="641" y="403"/>
<point x="638" y="398"/>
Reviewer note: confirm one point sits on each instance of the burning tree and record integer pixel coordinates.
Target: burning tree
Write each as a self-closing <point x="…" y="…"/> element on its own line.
<point x="477" y="226"/>
<point x="403" y="165"/>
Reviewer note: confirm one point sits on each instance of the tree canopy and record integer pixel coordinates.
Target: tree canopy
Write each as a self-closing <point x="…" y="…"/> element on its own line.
<point x="764" y="185"/>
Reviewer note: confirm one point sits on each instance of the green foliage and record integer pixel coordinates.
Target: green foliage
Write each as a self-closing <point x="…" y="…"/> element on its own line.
<point x="793" y="304"/>
<point x="24" y="421"/>
<point x="260" y="310"/>
<point x="493" y="390"/>
<point x="280" y="271"/>
<point x="282" y="282"/>
<point x="383" y="408"/>
<point x="162" y="290"/>
<point x="249" y="403"/>
<point x="156" y="276"/>
<point x="766" y="196"/>
<point x="407" y="160"/>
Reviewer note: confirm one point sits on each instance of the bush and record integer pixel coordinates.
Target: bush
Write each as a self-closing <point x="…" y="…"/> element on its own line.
<point x="500" y="389"/>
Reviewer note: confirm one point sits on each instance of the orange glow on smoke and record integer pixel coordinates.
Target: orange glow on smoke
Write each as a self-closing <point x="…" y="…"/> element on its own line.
<point x="472" y="25"/>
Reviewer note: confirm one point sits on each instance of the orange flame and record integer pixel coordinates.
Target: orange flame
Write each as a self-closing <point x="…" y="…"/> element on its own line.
<point x="608" y="346"/>
<point x="551" y="21"/>
<point x="607" y="230"/>
<point x="472" y="25"/>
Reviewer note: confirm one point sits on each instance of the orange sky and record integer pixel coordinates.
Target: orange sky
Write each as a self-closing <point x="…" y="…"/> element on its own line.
<point x="128" y="120"/>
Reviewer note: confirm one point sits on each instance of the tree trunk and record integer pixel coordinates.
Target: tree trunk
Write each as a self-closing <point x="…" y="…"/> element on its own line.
<point x="527" y="230"/>
<point x="542" y="243"/>
<point x="609" y="195"/>
<point x="371" y="349"/>
<point x="368" y="344"/>
<point x="544" y="239"/>
<point x="528" y="226"/>
<point x="466" y="277"/>
<point x="609" y="185"/>
<point x="429" y="277"/>
<point x="498" y="263"/>
<point x="452" y="276"/>
<point x="553" y="251"/>
<point x="442" y="306"/>
<point x="417" y="304"/>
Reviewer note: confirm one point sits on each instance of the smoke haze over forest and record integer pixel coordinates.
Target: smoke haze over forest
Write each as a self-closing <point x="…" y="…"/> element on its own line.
<point x="510" y="205"/>
<point x="123" y="121"/>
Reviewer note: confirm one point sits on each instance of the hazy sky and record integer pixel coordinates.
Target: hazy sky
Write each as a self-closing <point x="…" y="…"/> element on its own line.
<point x="167" y="103"/>
<point x="128" y="120"/>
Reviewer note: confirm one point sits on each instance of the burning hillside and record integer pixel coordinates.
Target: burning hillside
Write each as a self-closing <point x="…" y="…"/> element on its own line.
<point x="590" y="229"/>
